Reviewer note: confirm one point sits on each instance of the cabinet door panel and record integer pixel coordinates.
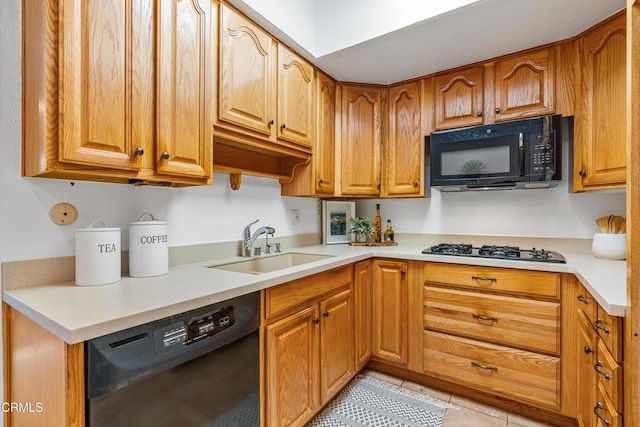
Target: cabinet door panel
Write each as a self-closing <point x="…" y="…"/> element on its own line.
<point x="295" y="98"/>
<point x="98" y="77"/>
<point x="362" y="284"/>
<point x="361" y="140"/>
<point x="185" y="79"/>
<point x="586" y="382"/>
<point x="336" y="344"/>
<point x="324" y="149"/>
<point x="404" y="150"/>
<point x="247" y="74"/>
<point x="600" y="112"/>
<point x="525" y="85"/>
<point x="390" y="311"/>
<point x="459" y="98"/>
<point x="291" y="357"/>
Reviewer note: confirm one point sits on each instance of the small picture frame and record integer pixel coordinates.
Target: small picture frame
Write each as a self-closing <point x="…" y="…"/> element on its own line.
<point x="336" y="221"/>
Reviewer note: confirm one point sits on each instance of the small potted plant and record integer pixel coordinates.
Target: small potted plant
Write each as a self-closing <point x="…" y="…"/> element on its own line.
<point x="362" y="227"/>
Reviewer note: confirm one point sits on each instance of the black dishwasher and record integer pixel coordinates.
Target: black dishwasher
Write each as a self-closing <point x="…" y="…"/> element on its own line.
<point x="198" y="368"/>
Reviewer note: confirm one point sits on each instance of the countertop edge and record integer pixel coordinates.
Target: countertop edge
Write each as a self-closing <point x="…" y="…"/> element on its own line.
<point x="26" y="300"/>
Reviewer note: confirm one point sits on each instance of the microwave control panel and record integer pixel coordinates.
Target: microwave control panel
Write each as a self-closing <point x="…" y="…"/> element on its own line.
<point x="543" y="155"/>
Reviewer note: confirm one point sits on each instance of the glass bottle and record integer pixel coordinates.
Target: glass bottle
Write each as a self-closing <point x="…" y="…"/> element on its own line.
<point x="388" y="233"/>
<point x="378" y="225"/>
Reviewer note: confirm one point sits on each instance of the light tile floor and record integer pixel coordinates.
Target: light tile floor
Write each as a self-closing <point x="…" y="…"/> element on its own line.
<point x="463" y="412"/>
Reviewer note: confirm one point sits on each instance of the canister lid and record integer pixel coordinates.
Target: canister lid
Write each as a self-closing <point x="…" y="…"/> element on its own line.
<point x="97" y="226"/>
<point x="152" y="221"/>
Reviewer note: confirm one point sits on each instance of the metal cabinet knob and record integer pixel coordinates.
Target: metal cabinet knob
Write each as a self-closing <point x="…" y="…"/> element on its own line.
<point x="583" y="299"/>
<point x="138" y="151"/>
<point x="497" y="110"/>
<point x="325" y="314"/>
<point x="315" y="320"/>
<point x="283" y="126"/>
<point x="583" y="173"/>
<point x="270" y="122"/>
<point x="479" y="114"/>
<point x="320" y="181"/>
<point x="164" y="155"/>
<point x="416" y="183"/>
<point x="587" y="349"/>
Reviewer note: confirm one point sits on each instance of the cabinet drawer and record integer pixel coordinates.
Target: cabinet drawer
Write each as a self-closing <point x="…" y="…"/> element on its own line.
<point x="519" y="282"/>
<point x="290" y="295"/>
<point x="502" y="371"/>
<point x="528" y="324"/>
<point x="606" y="414"/>
<point x="610" y="330"/>
<point x="586" y="303"/>
<point x="609" y="374"/>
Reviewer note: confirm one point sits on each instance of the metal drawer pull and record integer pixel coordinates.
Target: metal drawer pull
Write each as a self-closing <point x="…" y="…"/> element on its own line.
<point x="599" y="405"/>
<point x="490" y="368"/>
<point x="599" y="365"/>
<point x="587" y="349"/>
<point x="597" y="325"/>
<point x="583" y="299"/>
<point x="478" y="316"/>
<point x="487" y="279"/>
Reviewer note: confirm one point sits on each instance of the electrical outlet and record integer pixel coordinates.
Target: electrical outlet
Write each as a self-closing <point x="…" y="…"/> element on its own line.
<point x="295" y="216"/>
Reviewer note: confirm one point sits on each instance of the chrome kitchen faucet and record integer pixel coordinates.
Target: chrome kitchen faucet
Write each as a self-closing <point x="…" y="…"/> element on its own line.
<point x="249" y="239"/>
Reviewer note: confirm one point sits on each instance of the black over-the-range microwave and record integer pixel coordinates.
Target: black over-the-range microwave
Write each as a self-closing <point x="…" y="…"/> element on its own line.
<point x="509" y="155"/>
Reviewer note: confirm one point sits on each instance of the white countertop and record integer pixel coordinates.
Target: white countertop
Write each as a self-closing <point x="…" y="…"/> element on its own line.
<point x="76" y="314"/>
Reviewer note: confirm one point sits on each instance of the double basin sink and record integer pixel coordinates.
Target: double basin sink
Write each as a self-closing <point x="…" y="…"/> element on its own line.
<point x="268" y="264"/>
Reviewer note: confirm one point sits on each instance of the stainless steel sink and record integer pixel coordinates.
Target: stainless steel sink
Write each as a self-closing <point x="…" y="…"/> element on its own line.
<point x="267" y="264"/>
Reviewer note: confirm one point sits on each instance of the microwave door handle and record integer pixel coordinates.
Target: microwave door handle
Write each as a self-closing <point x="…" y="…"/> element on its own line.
<point x="521" y="152"/>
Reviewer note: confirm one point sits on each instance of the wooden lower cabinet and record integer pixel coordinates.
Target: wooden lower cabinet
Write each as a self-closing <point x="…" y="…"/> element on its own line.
<point x="42" y="371"/>
<point x="390" y="311"/>
<point x="362" y="296"/>
<point x="599" y="372"/>
<point x="308" y="353"/>
<point x="291" y="366"/>
<point x="495" y="331"/>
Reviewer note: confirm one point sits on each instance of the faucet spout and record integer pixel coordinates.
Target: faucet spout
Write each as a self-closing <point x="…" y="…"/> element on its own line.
<point x="249" y="239"/>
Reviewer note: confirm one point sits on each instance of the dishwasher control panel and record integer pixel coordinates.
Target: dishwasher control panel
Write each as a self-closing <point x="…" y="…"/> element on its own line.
<point x="193" y="329"/>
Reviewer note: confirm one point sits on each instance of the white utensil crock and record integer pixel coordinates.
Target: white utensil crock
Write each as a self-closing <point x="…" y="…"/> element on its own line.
<point x="609" y="246"/>
<point x="148" y="247"/>
<point x="98" y="259"/>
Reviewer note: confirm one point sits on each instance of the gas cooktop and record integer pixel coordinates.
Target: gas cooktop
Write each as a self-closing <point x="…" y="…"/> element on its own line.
<point x="494" y="251"/>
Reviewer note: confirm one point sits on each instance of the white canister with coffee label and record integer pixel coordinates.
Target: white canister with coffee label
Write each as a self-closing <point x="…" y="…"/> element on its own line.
<point x="98" y="259"/>
<point x="148" y="247"/>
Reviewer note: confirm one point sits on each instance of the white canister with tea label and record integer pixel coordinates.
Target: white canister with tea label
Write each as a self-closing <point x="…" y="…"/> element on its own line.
<point x="148" y="247"/>
<point x="98" y="259"/>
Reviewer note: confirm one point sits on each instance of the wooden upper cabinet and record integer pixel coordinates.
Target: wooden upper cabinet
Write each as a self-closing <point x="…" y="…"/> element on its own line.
<point x="185" y="87"/>
<point x="317" y="178"/>
<point x="247" y="75"/>
<point x="525" y="85"/>
<point x="99" y="82"/>
<point x="404" y="151"/>
<point x="600" y="120"/>
<point x="361" y="140"/>
<point x="325" y="147"/>
<point x="459" y="98"/>
<point x="295" y="98"/>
